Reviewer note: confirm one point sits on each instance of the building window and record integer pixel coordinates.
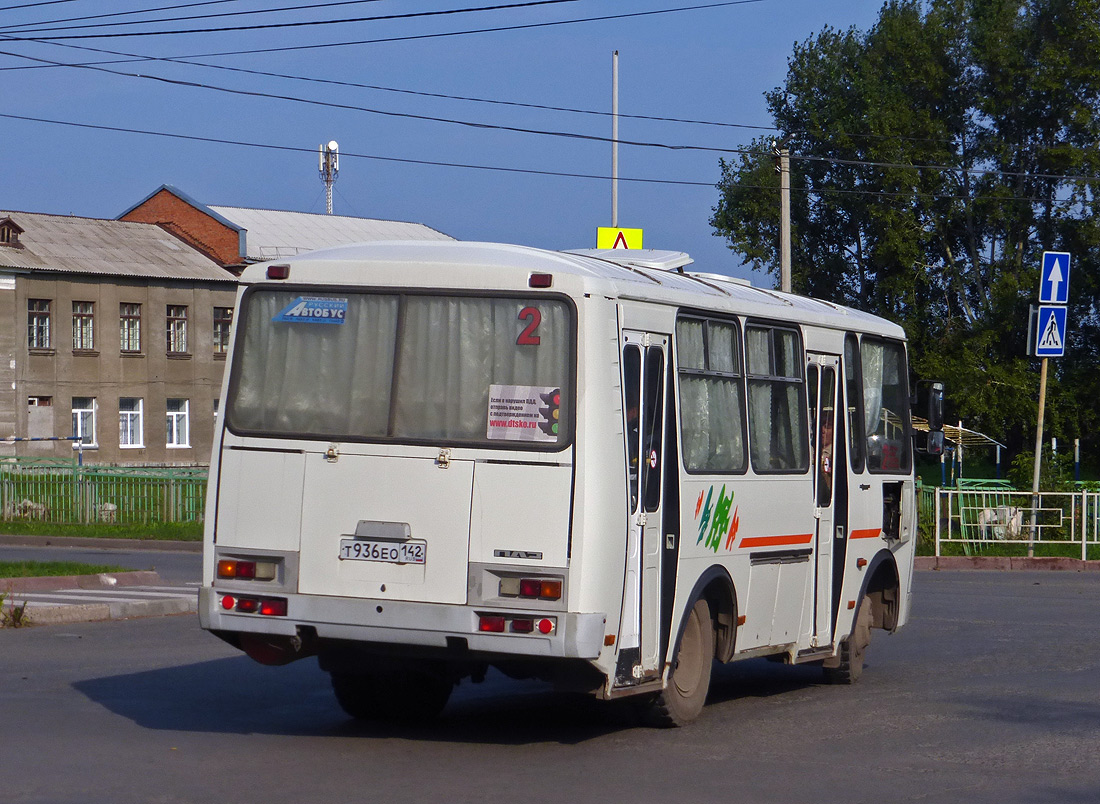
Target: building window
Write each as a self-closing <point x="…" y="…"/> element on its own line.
<point x="83" y="325"/>
<point x="177" y="329"/>
<point x="129" y="327"/>
<point x="39" y="401"/>
<point x="129" y="422"/>
<point x="223" y="320"/>
<point x="84" y="420"/>
<point x="38" y="323"/>
<point x="178" y="430"/>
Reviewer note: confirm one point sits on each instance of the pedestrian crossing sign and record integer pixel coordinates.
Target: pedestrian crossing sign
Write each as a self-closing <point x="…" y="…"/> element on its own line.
<point x="608" y="237"/>
<point x="1051" y="332"/>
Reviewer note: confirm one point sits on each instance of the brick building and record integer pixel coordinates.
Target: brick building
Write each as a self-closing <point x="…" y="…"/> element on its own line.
<point x="236" y="236"/>
<point x="112" y="331"/>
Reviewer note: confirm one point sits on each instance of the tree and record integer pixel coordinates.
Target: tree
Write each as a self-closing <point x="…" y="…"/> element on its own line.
<point x="934" y="157"/>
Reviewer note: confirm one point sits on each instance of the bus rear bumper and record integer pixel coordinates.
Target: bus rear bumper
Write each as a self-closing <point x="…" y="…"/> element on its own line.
<point x="423" y="625"/>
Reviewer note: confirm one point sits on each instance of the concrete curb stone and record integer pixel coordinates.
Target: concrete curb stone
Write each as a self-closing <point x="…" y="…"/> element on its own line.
<point x="166" y="545"/>
<point x="1005" y="563"/>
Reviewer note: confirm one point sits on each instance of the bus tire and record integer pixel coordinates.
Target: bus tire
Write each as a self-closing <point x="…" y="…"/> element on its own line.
<point x="405" y="696"/>
<point x="849" y="661"/>
<point x="689" y="680"/>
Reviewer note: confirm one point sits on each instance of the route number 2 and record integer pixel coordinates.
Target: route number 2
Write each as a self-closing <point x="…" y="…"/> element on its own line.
<point x="533" y="318"/>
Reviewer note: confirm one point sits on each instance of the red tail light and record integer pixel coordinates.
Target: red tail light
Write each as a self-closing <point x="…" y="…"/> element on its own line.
<point x="275" y="607"/>
<point x="489" y="623"/>
<point x="278" y="271"/>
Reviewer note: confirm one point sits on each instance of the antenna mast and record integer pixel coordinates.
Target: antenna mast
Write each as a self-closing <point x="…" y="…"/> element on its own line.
<point x="328" y="163"/>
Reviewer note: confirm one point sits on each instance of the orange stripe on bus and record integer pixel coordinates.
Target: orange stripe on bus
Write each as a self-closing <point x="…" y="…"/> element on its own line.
<point x="777" y="541"/>
<point x="866" y="533"/>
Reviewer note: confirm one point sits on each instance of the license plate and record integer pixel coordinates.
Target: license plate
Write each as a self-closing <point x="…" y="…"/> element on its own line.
<point x="386" y="552"/>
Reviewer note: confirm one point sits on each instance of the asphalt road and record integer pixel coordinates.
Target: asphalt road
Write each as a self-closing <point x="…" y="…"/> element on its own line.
<point x="173" y="567"/>
<point x="992" y="694"/>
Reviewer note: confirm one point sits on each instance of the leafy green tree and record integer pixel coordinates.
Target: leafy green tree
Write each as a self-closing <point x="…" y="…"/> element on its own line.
<point x="934" y="157"/>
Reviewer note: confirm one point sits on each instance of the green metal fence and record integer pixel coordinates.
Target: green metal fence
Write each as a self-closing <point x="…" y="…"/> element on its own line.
<point x="60" y="491"/>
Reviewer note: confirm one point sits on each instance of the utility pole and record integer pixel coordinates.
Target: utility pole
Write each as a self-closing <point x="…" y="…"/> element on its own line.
<point x="328" y="164"/>
<point x="783" y="166"/>
<point x="1038" y="458"/>
<point x="615" y="139"/>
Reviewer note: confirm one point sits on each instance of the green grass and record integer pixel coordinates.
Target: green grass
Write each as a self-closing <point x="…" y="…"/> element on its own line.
<point x="176" y="531"/>
<point x="40" y="569"/>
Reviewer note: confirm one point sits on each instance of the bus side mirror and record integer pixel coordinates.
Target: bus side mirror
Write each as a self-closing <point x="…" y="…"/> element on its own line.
<point x="934" y="444"/>
<point x="935" y="409"/>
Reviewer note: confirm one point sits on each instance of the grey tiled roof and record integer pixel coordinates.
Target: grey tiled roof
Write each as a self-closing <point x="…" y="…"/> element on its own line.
<point x="114" y="248"/>
<point x="273" y="234"/>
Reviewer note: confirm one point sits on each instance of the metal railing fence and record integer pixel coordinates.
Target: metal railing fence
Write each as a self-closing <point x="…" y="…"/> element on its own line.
<point x="980" y="519"/>
<point x="61" y="492"/>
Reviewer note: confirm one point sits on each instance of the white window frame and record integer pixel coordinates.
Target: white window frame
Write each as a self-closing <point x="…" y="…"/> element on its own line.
<point x="83" y="326"/>
<point x="129" y="327"/>
<point x="174" y="418"/>
<point x="176" y="329"/>
<point x="127" y="418"/>
<point x="38" y="323"/>
<point x="88" y="409"/>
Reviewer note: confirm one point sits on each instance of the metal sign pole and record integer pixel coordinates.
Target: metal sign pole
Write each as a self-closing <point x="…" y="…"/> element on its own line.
<point x="1038" y="459"/>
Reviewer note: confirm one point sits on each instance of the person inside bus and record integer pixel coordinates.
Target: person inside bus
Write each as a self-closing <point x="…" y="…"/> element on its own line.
<point x="825" y="484"/>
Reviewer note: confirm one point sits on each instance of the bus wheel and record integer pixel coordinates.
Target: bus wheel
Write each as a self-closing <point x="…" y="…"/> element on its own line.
<point x="410" y="696"/>
<point x="682" y="700"/>
<point x="848" y="665"/>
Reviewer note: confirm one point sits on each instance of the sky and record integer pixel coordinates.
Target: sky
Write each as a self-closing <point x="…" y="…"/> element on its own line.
<point x="702" y="64"/>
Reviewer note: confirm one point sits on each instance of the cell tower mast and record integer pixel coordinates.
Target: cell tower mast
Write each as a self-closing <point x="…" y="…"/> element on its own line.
<point x="328" y="163"/>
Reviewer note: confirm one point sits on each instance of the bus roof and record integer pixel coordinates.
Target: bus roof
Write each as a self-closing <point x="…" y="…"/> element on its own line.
<point x="623" y="275"/>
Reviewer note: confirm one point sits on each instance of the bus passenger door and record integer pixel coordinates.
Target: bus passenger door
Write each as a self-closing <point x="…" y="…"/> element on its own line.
<point x="644" y="361"/>
<point x="822" y="376"/>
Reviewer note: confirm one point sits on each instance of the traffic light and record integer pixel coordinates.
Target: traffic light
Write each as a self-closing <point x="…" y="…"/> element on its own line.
<point x="551" y="413"/>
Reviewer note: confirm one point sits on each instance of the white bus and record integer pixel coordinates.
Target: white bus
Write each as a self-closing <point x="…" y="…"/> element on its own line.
<point x="591" y="467"/>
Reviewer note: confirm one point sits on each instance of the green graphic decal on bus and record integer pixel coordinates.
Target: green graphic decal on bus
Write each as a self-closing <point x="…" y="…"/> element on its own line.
<point x="718" y="517"/>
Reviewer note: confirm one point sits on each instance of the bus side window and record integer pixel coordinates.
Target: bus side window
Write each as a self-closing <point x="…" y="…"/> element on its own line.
<point x="654" y="416"/>
<point x="632" y="372"/>
<point x="853" y="391"/>
<point x="778" y="430"/>
<point x="885" y="406"/>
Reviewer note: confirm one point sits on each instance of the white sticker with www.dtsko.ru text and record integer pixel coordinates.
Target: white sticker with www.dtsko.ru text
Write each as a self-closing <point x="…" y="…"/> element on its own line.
<point x="314" y="310"/>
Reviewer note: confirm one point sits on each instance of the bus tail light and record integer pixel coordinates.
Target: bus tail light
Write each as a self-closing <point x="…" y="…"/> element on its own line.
<point x="278" y="271"/>
<point x="232" y="569"/>
<point x="491" y="623"/>
<point x="268" y="607"/>
<point x="532" y="588"/>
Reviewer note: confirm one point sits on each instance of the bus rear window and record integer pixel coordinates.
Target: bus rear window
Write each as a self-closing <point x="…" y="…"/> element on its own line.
<point x="343" y="365"/>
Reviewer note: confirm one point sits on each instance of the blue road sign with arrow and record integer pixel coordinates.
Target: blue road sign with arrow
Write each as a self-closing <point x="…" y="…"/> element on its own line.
<point x="1054" y="282"/>
<point x="1051" y="332"/>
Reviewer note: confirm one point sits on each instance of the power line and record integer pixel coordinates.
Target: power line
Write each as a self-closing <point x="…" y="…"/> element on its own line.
<point x="528" y="171"/>
<point x="343" y="154"/>
<point x="33" y="5"/>
<point x="387" y="113"/>
<point x="412" y="37"/>
<point x="419" y="93"/>
<point x="124" y="13"/>
<point x="296" y="24"/>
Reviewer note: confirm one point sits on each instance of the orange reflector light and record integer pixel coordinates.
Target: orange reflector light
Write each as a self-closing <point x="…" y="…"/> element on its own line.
<point x="227" y="569"/>
<point x="278" y="271"/>
<point x="550" y="590"/>
<point x="540" y="280"/>
<point x="275" y="607"/>
<point x="861" y="563"/>
<point x="488" y="623"/>
<point x="851" y="604"/>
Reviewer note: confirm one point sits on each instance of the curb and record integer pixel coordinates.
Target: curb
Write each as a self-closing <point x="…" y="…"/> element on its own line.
<point x="1005" y="563"/>
<point x="120" y="610"/>
<point x="165" y="545"/>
